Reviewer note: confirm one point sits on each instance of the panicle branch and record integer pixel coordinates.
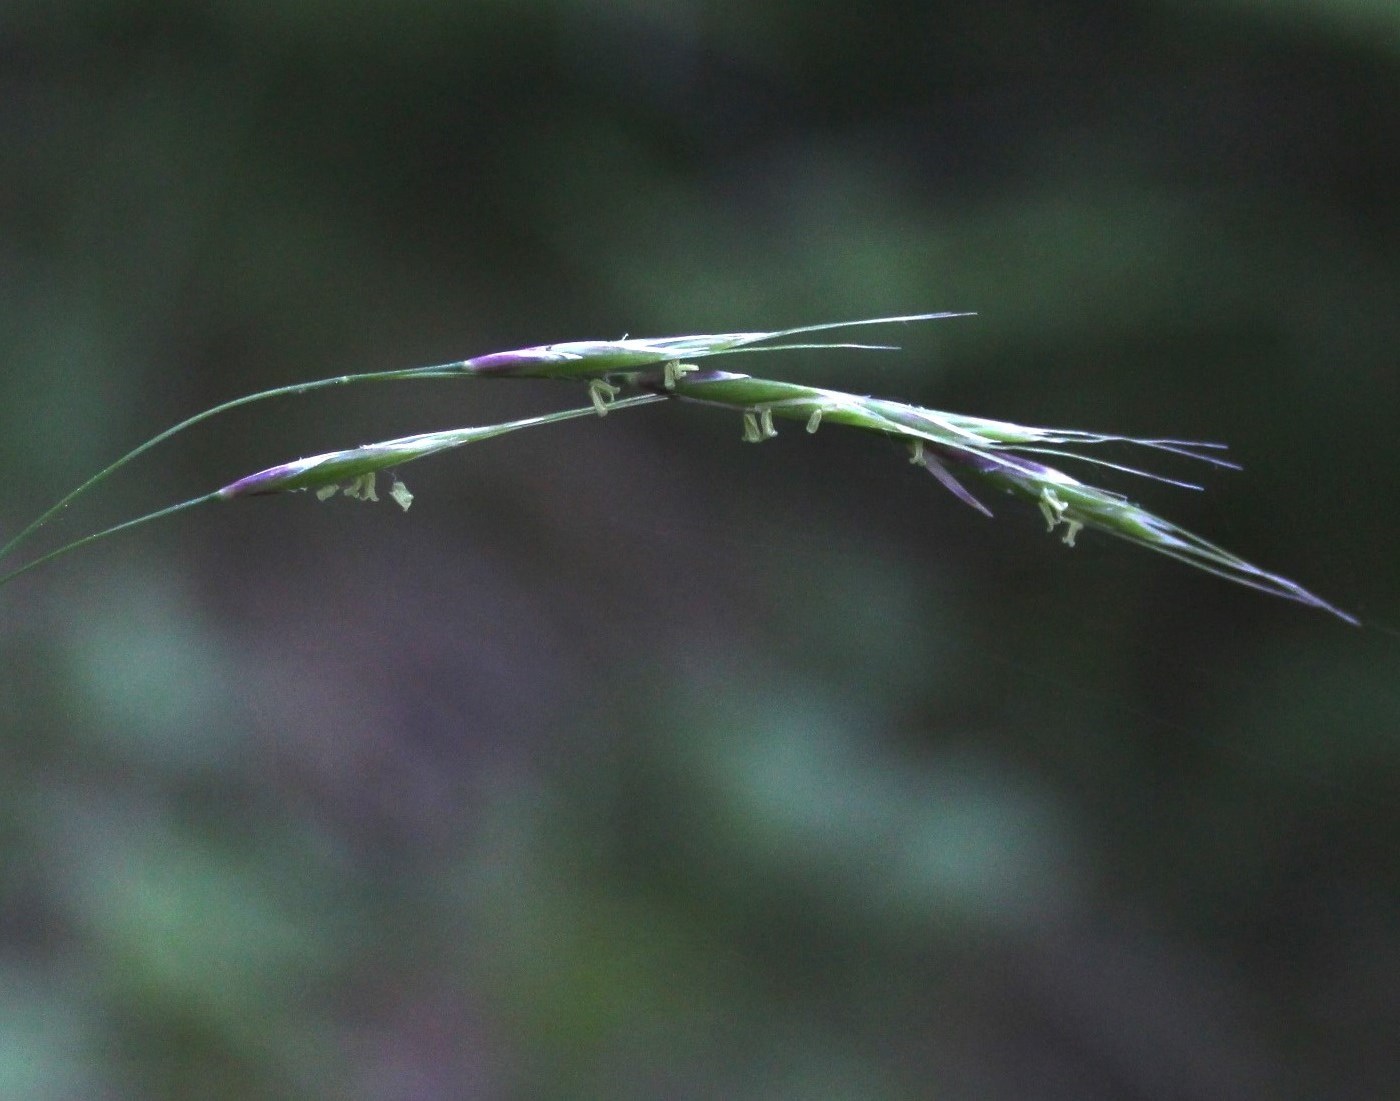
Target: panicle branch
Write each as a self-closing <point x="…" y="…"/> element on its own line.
<point x="951" y="446"/>
<point x="995" y="453"/>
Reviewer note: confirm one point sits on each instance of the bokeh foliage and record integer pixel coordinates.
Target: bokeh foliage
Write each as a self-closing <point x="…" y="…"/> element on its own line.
<point x="636" y="762"/>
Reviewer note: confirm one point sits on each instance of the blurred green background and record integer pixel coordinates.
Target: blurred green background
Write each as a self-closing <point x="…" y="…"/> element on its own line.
<point x="636" y="762"/>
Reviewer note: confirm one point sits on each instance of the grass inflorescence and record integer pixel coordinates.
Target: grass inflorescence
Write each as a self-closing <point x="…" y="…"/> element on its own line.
<point x="959" y="450"/>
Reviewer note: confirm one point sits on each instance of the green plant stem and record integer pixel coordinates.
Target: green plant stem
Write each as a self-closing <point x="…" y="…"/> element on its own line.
<point x="248" y="399"/>
<point x="95" y="536"/>
<point x="332" y="468"/>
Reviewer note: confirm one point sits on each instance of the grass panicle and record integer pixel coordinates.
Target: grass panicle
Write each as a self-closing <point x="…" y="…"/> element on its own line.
<point x="588" y="359"/>
<point x="997" y="454"/>
<point x="955" y="448"/>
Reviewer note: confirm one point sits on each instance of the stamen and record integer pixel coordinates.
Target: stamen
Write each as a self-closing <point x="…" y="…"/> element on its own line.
<point x="671" y="373"/>
<point x="1052" y="508"/>
<point x="362" y="488"/>
<point x="601" y="393"/>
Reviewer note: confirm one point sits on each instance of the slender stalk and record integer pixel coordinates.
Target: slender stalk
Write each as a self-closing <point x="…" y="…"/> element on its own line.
<point x="93" y="538"/>
<point x="199" y="418"/>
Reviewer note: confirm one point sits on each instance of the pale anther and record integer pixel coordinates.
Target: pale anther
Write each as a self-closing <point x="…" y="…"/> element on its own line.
<point x="1052" y="508"/>
<point x="361" y="487"/>
<point x="672" y="372"/>
<point x="600" y="393"/>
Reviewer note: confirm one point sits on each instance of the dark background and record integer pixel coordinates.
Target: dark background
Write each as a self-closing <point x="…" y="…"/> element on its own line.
<point x="636" y="762"/>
